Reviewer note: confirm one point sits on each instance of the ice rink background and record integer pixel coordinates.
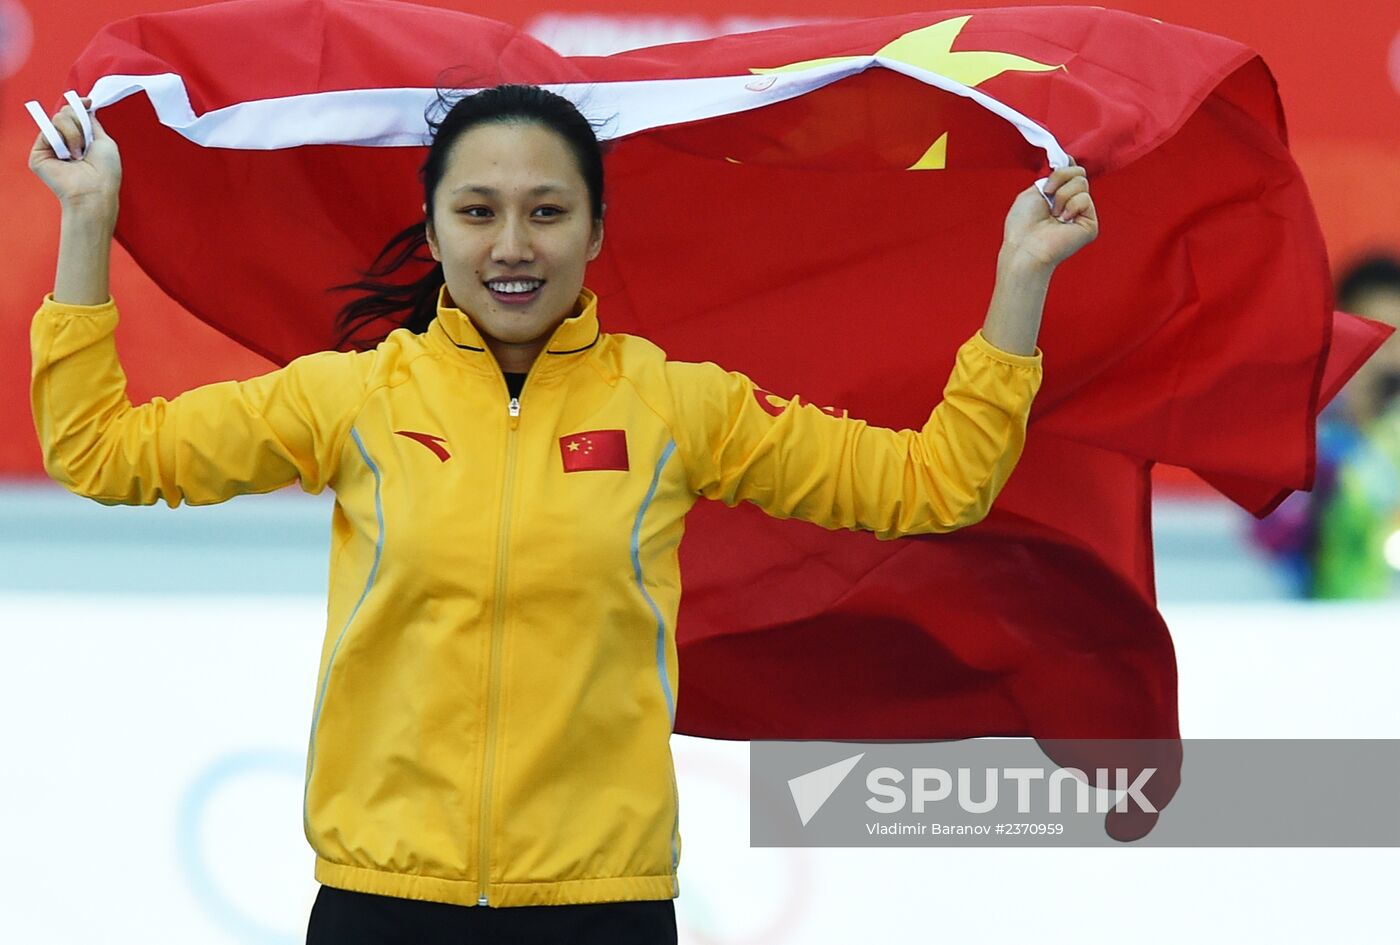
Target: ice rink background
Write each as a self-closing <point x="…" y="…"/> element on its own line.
<point x="156" y="687"/>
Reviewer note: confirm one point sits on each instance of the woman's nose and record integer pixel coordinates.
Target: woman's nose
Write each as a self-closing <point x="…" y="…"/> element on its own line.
<point x="513" y="243"/>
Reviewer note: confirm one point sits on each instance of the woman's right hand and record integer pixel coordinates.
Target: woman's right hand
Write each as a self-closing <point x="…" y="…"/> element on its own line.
<point x="90" y="181"/>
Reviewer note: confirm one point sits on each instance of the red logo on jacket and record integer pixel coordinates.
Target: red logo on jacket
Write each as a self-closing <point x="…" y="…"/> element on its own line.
<point x="775" y="405"/>
<point x="431" y="440"/>
<point x="594" y="449"/>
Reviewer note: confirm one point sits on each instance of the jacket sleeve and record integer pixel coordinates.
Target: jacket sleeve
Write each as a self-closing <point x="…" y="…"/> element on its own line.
<point x="798" y="460"/>
<point x="204" y="446"/>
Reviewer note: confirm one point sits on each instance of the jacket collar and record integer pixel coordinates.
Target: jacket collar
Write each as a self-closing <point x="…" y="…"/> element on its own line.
<point x="573" y="338"/>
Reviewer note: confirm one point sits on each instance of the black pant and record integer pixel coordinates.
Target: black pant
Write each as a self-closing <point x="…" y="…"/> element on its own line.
<point x="342" y="917"/>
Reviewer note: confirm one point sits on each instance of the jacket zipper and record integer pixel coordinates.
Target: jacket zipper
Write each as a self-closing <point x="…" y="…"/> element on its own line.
<point x="497" y="628"/>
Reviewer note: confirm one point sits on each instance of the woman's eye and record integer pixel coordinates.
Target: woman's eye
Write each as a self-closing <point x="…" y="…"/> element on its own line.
<point x="481" y="213"/>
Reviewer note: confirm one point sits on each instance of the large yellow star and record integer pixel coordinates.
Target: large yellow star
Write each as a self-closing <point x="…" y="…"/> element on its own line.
<point x="931" y="47"/>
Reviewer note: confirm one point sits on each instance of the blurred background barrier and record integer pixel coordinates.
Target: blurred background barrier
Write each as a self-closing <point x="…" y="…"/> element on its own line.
<point x="155" y="745"/>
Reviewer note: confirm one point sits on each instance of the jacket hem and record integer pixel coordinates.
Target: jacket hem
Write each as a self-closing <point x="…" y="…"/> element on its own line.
<point x="464" y="892"/>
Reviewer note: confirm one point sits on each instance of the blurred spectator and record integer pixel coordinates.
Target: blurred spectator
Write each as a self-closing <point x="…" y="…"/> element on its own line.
<point x="1333" y="541"/>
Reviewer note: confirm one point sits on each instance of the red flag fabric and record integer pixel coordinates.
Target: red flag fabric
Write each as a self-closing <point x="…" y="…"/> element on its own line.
<point x="820" y="207"/>
<point x="595" y="449"/>
<point x="1354" y="339"/>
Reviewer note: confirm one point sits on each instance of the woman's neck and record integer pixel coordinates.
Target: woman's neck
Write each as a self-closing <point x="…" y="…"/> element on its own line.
<point x="515" y="358"/>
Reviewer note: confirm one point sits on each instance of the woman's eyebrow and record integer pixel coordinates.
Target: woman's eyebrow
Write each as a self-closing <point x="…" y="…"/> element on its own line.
<point x="493" y="192"/>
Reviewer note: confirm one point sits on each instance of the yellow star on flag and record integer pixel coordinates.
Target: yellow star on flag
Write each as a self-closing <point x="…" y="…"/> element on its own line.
<point x="931" y="48"/>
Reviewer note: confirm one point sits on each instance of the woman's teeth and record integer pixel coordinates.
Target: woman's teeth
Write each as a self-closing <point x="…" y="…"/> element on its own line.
<point x="514" y="287"/>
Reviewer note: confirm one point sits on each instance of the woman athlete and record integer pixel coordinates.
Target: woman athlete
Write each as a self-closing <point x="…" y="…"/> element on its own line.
<point x="489" y="757"/>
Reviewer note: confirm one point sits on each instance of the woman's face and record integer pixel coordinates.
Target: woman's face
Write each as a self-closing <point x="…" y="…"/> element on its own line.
<point x="512" y="212"/>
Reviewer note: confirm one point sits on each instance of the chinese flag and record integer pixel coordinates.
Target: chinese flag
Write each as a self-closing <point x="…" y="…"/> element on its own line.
<point x="596" y="449"/>
<point x="821" y="207"/>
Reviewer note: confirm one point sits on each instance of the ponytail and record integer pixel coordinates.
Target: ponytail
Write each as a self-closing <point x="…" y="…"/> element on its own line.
<point x="411" y="305"/>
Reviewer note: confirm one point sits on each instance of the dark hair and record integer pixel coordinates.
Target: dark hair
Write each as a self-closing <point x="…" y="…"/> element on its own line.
<point x="413" y="304"/>
<point x="1377" y="271"/>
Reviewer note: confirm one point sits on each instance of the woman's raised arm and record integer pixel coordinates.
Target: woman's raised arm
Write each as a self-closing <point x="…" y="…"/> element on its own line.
<point x="202" y="447"/>
<point x="1036" y="239"/>
<point x="87" y="188"/>
<point x="794" y="459"/>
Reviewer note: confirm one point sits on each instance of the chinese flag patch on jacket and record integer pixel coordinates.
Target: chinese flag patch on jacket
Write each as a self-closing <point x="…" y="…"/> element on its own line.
<point x="595" y="449"/>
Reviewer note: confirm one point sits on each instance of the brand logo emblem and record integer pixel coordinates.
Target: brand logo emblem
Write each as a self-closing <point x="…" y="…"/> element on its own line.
<point x="775" y="405"/>
<point x="431" y="440"/>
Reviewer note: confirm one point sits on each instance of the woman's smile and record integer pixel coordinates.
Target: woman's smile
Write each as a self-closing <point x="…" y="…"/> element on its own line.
<point x="515" y="290"/>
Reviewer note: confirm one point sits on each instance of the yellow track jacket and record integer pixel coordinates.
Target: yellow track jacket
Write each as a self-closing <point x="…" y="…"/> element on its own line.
<point x="497" y="686"/>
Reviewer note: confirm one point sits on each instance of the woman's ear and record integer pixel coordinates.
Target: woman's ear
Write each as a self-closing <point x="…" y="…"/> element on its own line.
<point x="431" y="235"/>
<point x="595" y="245"/>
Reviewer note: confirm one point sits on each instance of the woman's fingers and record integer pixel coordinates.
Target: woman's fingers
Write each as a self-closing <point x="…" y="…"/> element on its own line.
<point x="79" y="109"/>
<point x="1066" y="192"/>
<point x="1076" y="205"/>
<point x="68" y="128"/>
<point x="69" y="133"/>
<point x="41" y="151"/>
<point x="1063" y="174"/>
<point x="52" y="138"/>
<point x="1066" y="174"/>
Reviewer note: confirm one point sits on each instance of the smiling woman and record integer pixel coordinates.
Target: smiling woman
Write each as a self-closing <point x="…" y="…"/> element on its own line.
<point x="512" y="251"/>
<point x="513" y="206"/>
<point x="489" y="755"/>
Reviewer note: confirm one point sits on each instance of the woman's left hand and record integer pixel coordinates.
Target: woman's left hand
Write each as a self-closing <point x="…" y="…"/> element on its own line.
<point x="1035" y="233"/>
